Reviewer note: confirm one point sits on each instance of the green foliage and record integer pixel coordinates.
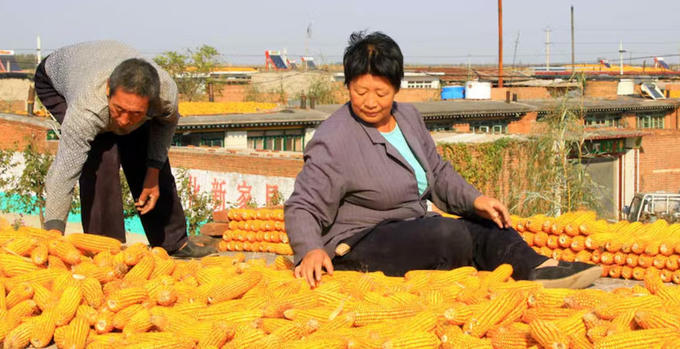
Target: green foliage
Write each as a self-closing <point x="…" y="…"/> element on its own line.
<point x="324" y="90"/>
<point x="543" y="174"/>
<point x="29" y="186"/>
<point x="191" y="70"/>
<point x="129" y="208"/>
<point x="198" y="206"/>
<point x="277" y="199"/>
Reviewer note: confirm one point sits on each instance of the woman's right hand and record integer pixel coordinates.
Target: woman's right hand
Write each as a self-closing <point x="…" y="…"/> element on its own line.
<point x="311" y="265"/>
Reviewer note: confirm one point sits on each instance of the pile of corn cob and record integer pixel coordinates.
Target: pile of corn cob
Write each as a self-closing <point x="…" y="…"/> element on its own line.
<point x="626" y="250"/>
<point x="85" y="291"/>
<point x="256" y="230"/>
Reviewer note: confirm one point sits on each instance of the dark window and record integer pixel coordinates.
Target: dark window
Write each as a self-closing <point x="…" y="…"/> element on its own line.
<point x="497" y="126"/>
<point x="288" y="140"/>
<point x="651" y="120"/>
<point x="603" y="119"/>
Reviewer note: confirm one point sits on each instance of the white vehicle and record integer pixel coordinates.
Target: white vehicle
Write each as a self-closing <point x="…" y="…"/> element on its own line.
<point x="648" y="207"/>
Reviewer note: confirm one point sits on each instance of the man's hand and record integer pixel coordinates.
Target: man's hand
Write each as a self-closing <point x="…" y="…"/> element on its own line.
<point x="310" y="267"/>
<point x="492" y="209"/>
<point x="150" y="193"/>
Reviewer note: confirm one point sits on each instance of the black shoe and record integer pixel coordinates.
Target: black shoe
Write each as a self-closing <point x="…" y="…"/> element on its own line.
<point x="193" y="251"/>
<point x="574" y="275"/>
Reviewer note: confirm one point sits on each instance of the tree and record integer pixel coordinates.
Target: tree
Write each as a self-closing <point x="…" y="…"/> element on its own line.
<point x="191" y="70"/>
<point x="198" y="206"/>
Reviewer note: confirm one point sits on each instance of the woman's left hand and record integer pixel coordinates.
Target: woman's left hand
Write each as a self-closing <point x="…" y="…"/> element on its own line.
<point x="492" y="209"/>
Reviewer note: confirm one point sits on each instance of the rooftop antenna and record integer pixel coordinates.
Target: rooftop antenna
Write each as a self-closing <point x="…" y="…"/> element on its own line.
<point x="514" y="54"/>
<point x="307" y="38"/>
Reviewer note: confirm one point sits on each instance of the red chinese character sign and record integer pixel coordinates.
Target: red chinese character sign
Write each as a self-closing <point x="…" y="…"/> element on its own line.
<point x="272" y="192"/>
<point x="219" y="194"/>
<point x="244" y="194"/>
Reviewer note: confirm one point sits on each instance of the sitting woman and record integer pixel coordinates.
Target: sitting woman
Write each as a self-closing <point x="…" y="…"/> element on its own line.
<point x="368" y="173"/>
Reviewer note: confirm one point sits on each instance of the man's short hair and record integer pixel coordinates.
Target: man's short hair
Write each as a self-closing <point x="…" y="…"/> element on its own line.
<point x="136" y="76"/>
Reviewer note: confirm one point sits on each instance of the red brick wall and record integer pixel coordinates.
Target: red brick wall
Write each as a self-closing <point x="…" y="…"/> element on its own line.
<point x="12" y="106"/>
<point x="231" y="93"/>
<point x="19" y="133"/>
<point x="410" y="95"/>
<point x="524" y="124"/>
<point x="660" y="162"/>
<point x="499" y="94"/>
<point x="264" y="163"/>
<point x="601" y="89"/>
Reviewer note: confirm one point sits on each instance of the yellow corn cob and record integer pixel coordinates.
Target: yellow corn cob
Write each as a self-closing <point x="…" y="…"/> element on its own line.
<point x="103" y="259"/>
<point x="296" y="330"/>
<point x="547" y="314"/>
<point x="368" y="315"/>
<point x="649" y="319"/>
<point x="92" y="292"/>
<point x="67" y="306"/>
<point x="501" y="274"/>
<point x="53" y="262"/>
<point x="171" y="343"/>
<point x="167" y="319"/>
<point x="244" y="337"/>
<point x="123" y="317"/>
<point x="233" y="317"/>
<point x="283" y="263"/>
<point x="233" y="287"/>
<point x="637" y="339"/>
<point x="142" y="269"/>
<point x="413" y="340"/>
<point x="460" y="313"/>
<point x="492" y="312"/>
<point x="514" y="315"/>
<point x="160" y="252"/>
<point x="610" y="310"/>
<point x="102" y="274"/>
<point x="137" y="323"/>
<point x="104" y="322"/>
<point x="19" y="294"/>
<point x="548" y="335"/>
<point x="87" y="312"/>
<point x="463" y="341"/>
<point x="43" y="330"/>
<point x="13" y="265"/>
<point x="220" y="333"/>
<point x="162" y="267"/>
<point x="23" y="309"/>
<point x="3" y="297"/>
<point x="573" y="325"/>
<point x="94" y="243"/>
<point x="124" y="298"/>
<point x="76" y="334"/>
<point x="586" y="299"/>
<point x="22" y="246"/>
<point x="66" y="252"/>
<point x="510" y="338"/>
<point x="19" y="337"/>
<point x="549" y="298"/>
<point x="134" y="253"/>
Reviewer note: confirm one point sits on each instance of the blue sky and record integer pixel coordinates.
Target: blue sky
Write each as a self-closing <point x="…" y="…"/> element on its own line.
<point x="446" y="32"/>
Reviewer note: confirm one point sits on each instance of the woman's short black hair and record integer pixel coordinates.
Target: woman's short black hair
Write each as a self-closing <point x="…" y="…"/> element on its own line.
<point x="136" y="76"/>
<point x="376" y="54"/>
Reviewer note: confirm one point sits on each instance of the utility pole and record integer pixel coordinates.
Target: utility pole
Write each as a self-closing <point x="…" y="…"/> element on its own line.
<point x="573" y="61"/>
<point x="38" y="54"/>
<point x="547" y="49"/>
<point x="500" y="43"/>
<point x="621" y="51"/>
